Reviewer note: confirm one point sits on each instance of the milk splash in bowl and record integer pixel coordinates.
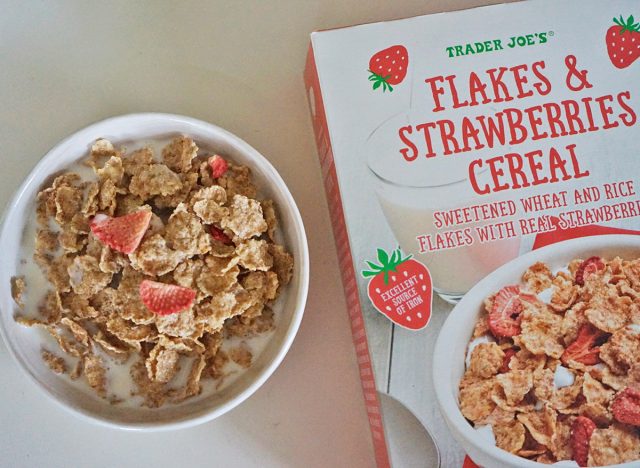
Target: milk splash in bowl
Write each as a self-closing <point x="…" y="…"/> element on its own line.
<point x="414" y="196"/>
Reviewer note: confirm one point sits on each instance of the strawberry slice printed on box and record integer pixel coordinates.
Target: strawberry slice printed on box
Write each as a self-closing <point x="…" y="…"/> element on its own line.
<point x="626" y="406"/>
<point x="505" y="315"/>
<point x="123" y="233"/>
<point x="584" y="349"/>
<point x="623" y="42"/>
<point x="401" y="289"/>
<point x="587" y="268"/>
<point x="165" y="299"/>
<point x="508" y="354"/>
<point x="581" y="431"/>
<point x="388" y="67"/>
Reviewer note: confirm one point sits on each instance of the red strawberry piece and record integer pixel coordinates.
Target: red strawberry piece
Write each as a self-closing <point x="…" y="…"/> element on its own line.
<point x="504" y="319"/>
<point x="508" y="354"/>
<point x="165" y="299"/>
<point x="587" y="268"/>
<point x="584" y="349"/>
<point x="581" y="431"/>
<point x="219" y="235"/>
<point x="623" y="42"/>
<point x="123" y="233"/>
<point x="218" y="166"/>
<point x="530" y="298"/>
<point x="388" y="67"/>
<point x="626" y="406"/>
<point x="469" y="463"/>
<point x="401" y="289"/>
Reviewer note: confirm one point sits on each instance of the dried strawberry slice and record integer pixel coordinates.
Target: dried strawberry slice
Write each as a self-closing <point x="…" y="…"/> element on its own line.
<point x="165" y="299"/>
<point x="508" y="354"/>
<point x="587" y="268"/>
<point x="626" y="406"/>
<point x="123" y="233"/>
<point x="219" y="235"/>
<point x="218" y="166"/>
<point x="581" y="431"/>
<point x="530" y="298"/>
<point x="584" y="349"/>
<point x="504" y="319"/>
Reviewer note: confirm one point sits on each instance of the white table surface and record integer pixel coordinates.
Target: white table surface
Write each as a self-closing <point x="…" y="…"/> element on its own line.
<point x="239" y="65"/>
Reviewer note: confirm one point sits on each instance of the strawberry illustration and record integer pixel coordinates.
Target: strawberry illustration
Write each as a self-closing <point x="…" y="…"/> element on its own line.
<point x="165" y="299"/>
<point x="504" y="318"/>
<point x="623" y="42"/>
<point x="218" y="166"/>
<point x="587" y="268"/>
<point x="123" y="233"/>
<point x="388" y="67"/>
<point x="581" y="431"/>
<point x="626" y="406"/>
<point x="400" y="288"/>
<point x="584" y="349"/>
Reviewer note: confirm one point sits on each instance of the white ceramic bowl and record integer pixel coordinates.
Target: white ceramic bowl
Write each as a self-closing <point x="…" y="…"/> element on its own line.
<point x="25" y="347"/>
<point x="449" y="354"/>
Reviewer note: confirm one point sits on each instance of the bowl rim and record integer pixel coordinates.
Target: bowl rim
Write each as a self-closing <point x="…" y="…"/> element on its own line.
<point x="301" y="293"/>
<point x="447" y="404"/>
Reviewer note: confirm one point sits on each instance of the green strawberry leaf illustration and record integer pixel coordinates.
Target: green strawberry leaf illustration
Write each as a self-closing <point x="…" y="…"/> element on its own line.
<point x="386" y="265"/>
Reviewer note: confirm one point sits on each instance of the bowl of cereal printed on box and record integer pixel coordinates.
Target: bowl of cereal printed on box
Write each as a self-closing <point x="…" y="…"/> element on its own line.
<point x="540" y="361"/>
<point x="155" y="272"/>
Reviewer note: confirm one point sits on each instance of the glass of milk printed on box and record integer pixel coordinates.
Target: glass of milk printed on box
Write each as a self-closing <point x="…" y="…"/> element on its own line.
<point x="410" y="192"/>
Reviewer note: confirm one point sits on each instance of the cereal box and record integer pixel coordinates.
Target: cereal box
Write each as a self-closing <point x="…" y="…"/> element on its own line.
<point x="452" y="144"/>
